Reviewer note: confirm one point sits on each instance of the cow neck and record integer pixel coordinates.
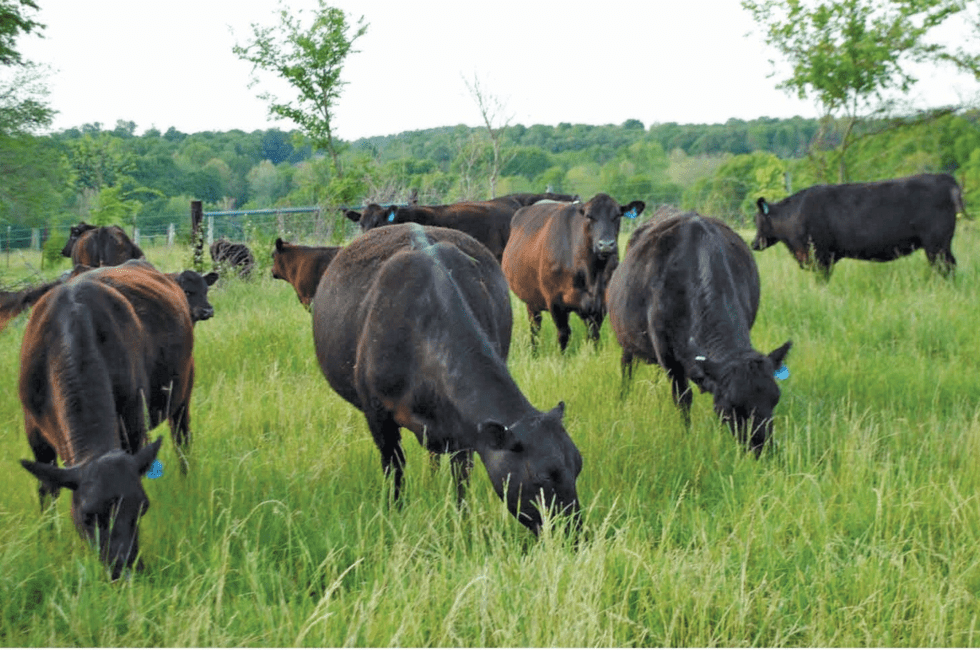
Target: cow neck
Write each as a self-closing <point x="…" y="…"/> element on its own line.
<point x="485" y="389"/>
<point x="494" y="396"/>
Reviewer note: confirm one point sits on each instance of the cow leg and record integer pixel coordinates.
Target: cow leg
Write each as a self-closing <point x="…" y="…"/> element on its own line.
<point x="535" y="318"/>
<point x="681" y="392"/>
<point x="560" y="316"/>
<point x="942" y="260"/>
<point x="43" y="453"/>
<point x="462" y="463"/>
<point x="594" y="324"/>
<point x="626" y="364"/>
<point x="180" y="431"/>
<point x="388" y="438"/>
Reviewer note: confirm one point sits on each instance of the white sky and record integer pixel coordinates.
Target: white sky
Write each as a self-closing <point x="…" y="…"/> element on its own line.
<point x="162" y="64"/>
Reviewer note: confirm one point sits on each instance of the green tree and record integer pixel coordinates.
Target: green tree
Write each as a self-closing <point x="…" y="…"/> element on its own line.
<point x="15" y="21"/>
<point x="848" y="54"/>
<point x="310" y="59"/>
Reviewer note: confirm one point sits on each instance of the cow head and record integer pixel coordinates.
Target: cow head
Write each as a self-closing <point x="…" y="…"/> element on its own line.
<point x="533" y="465"/>
<point x="603" y="214"/>
<point x="107" y="500"/>
<point x="278" y="264"/>
<point x="765" y="235"/>
<point x="374" y="216"/>
<point x="745" y="392"/>
<point x="195" y="287"/>
<point x="73" y="235"/>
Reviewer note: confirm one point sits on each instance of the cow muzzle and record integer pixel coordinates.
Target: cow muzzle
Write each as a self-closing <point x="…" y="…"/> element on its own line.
<point x="605" y="248"/>
<point x="203" y="313"/>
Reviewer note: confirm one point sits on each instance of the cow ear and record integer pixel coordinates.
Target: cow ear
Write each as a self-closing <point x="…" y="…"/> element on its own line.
<point x="211" y="278"/>
<point x="704" y="373"/>
<point x="144" y="457"/>
<point x="633" y="210"/>
<point x="499" y="437"/>
<point x="763" y="206"/>
<point x="69" y="477"/>
<point x="558" y="412"/>
<point x="353" y="215"/>
<point x="778" y="355"/>
<point x="278" y="243"/>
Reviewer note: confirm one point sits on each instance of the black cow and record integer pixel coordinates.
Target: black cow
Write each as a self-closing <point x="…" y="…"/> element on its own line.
<point x="865" y="221"/>
<point x="232" y="254"/>
<point x="100" y="352"/>
<point x="486" y="221"/>
<point x="559" y="258"/>
<point x="412" y="326"/>
<point x="685" y="297"/>
<point x="100" y="246"/>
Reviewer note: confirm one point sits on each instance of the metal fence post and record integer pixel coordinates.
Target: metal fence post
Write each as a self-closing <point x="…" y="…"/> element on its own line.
<point x="171" y="235"/>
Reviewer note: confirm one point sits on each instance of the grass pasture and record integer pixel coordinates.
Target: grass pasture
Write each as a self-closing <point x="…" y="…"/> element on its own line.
<point x="860" y="529"/>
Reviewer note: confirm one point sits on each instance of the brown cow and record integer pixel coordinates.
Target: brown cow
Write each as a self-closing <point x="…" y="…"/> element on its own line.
<point x="194" y="285"/>
<point x="301" y="266"/>
<point x="486" y="221"/>
<point x="100" y="353"/>
<point x="412" y="326"/>
<point x="560" y="257"/>
<point x="100" y="246"/>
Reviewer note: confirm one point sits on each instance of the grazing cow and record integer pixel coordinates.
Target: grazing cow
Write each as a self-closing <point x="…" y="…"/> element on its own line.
<point x="865" y="221"/>
<point x="86" y="376"/>
<point x="301" y="266"/>
<point x="412" y="326"/>
<point x="100" y="246"/>
<point x="560" y="257"/>
<point x="685" y="297"/>
<point x="486" y="221"/>
<point x="233" y="255"/>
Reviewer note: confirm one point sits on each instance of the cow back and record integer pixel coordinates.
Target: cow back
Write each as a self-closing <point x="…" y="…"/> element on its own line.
<point x="165" y="314"/>
<point x="104" y="246"/>
<point x="83" y="371"/>
<point x="340" y="306"/>
<point x="687" y="278"/>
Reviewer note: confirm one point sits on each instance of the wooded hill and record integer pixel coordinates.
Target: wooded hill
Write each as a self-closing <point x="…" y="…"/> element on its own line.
<point x="115" y="176"/>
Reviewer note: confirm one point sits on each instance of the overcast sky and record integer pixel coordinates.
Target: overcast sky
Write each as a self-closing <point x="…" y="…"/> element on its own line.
<point x="163" y="64"/>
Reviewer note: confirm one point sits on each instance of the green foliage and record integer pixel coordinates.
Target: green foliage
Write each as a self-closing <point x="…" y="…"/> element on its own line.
<point x="16" y="19"/>
<point x="34" y="177"/>
<point x="113" y="206"/>
<point x="847" y="54"/>
<point x="51" y="251"/>
<point x="310" y="59"/>
<point x="731" y="192"/>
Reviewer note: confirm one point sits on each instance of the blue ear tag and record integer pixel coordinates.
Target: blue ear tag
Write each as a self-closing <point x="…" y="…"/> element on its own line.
<point x="631" y="214"/>
<point x="156" y="470"/>
<point x="391" y="217"/>
<point x="782" y="372"/>
<point x="765" y="209"/>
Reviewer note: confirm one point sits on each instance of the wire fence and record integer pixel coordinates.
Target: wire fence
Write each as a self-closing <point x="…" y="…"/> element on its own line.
<point x="313" y="224"/>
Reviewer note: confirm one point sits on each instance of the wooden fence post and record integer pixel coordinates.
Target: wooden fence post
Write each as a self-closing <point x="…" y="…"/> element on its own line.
<point x="197" y="216"/>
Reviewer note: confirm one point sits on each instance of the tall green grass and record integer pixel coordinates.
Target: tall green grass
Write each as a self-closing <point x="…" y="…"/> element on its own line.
<point x="860" y="529"/>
